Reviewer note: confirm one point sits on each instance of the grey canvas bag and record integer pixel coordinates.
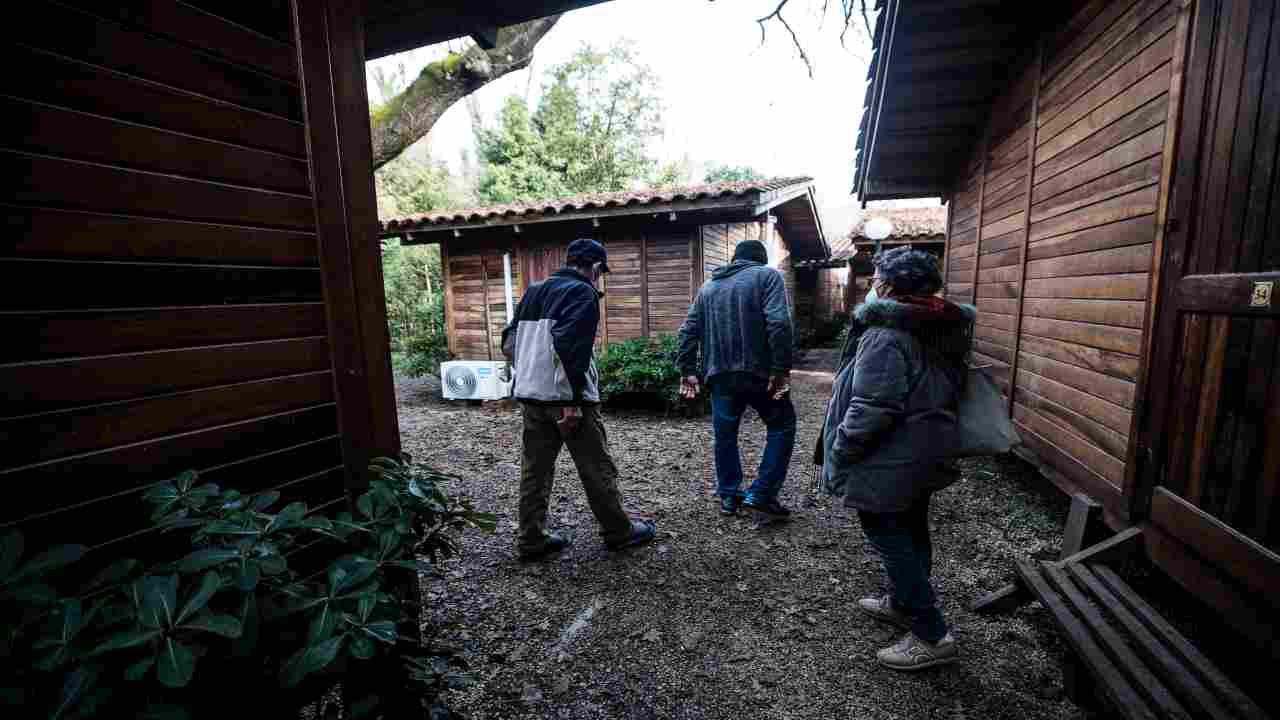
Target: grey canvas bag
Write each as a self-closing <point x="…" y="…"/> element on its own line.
<point x="982" y="418"/>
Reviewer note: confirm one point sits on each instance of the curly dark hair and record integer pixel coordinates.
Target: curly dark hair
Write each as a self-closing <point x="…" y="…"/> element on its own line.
<point x="909" y="271"/>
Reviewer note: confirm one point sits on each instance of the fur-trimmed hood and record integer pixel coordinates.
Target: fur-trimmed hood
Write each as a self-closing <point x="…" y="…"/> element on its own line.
<point x="940" y="325"/>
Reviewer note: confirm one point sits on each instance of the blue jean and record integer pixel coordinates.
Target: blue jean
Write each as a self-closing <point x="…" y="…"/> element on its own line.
<point x="731" y="395"/>
<point x="903" y="543"/>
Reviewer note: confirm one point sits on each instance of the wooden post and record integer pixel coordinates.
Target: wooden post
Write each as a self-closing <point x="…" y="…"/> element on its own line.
<point x="330" y="40"/>
<point x="977" y="233"/>
<point x="484" y="295"/>
<point x="450" y="321"/>
<point x="1084" y="525"/>
<point x="946" y="246"/>
<point x="1141" y="435"/>
<point x="644" y="285"/>
<point x="1026" y="224"/>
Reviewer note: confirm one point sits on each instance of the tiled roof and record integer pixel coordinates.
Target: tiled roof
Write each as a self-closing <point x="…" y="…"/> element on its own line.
<point x="592" y="202"/>
<point x="923" y="224"/>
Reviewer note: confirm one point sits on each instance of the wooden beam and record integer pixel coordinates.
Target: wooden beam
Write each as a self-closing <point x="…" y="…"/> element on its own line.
<point x="450" y="322"/>
<point x="644" y="285"/>
<point x="329" y="36"/>
<point x="1140" y="431"/>
<point x="982" y="191"/>
<point x="877" y="100"/>
<point x="1236" y="555"/>
<point x="1251" y="294"/>
<point x="946" y="248"/>
<point x="1026" y="226"/>
<point x="1083" y="523"/>
<point x="484" y="296"/>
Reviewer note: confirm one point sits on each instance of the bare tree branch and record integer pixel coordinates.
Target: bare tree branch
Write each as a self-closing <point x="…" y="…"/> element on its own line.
<point x="866" y="20"/>
<point x="407" y="117"/>
<point x="777" y="13"/>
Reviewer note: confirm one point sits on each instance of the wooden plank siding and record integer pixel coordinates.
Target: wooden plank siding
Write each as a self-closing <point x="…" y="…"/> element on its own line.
<point x="1053" y="232"/>
<point x="161" y="290"/>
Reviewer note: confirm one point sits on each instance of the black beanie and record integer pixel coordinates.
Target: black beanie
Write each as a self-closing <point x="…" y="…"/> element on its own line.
<point x="752" y="250"/>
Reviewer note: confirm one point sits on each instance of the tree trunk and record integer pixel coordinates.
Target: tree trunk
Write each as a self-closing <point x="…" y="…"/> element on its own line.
<point x="408" y="117"/>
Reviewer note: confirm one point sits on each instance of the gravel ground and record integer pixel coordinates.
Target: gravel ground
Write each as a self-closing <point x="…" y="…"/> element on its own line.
<point x="722" y="617"/>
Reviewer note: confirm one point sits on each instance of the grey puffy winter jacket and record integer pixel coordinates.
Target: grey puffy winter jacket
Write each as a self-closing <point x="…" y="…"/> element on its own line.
<point x="891" y="422"/>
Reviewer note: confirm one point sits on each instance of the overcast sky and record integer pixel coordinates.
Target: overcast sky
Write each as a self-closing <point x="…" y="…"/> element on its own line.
<point x="728" y="100"/>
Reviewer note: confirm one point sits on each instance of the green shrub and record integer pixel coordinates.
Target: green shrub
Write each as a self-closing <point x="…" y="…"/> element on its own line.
<point x="227" y="622"/>
<point x="645" y="366"/>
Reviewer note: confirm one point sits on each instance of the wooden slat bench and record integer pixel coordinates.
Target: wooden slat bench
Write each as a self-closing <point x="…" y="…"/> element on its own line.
<point x="1143" y="667"/>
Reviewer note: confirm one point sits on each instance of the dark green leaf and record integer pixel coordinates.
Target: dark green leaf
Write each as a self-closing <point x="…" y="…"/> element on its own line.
<point x="416" y="490"/>
<point x="487" y="522"/>
<point x="317" y="523"/>
<point x="204" y="492"/>
<point x="309" y="659"/>
<point x="52" y="660"/>
<point x="49" y="560"/>
<point x="291" y="514"/>
<point x="366" y="605"/>
<point x="124" y="640"/>
<point x="176" y="664"/>
<point x="262" y="501"/>
<point x="70" y="615"/>
<point x="11" y="547"/>
<point x="165" y="492"/>
<point x="222" y="527"/>
<point x="116" y="572"/>
<point x="363" y="647"/>
<point x="205" y="558"/>
<point x="384" y="631"/>
<point x="273" y="564"/>
<point x="248" y="617"/>
<point x="247" y="575"/>
<point x="223" y="625"/>
<point x="388" y="541"/>
<point x="34" y="594"/>
<point x="160" y="601"/>
<point x="185" y="480"/>
<point x="348" y="572"/>
<point x="365" y="505"/>
<point x="365" y="707"/>
<point x="209" y="585"/>
<point x="139" y="670"/>
<point x="322" y="624"/>
<point x="76" y="684"/>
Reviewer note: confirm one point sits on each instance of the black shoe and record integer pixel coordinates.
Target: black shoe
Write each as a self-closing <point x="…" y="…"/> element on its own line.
<point x="642" y="531"/>
<point x="555" y="542"/>
<point x="729" y="505"/>
<point x="768" y="507"/>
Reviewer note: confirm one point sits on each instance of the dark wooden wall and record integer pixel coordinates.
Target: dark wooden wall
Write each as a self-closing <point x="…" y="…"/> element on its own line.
<point x="1053" y="233"/>
<point x="161" y="285"/>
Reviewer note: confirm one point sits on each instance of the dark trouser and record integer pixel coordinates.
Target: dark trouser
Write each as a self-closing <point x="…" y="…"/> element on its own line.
<point x="731" y="395"/>
<point x="589" y="447"/>
<point x="902" y="540"/>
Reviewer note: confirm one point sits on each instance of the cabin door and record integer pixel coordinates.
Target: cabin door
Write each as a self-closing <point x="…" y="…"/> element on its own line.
<point x="1209" y="451"/>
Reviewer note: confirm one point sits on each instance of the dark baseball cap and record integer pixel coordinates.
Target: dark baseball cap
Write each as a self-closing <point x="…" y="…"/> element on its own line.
<point x="586" y="249"/>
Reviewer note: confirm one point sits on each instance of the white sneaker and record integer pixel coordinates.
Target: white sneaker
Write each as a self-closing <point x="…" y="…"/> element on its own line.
<point x="882" y="609"/>
<point x="912" y="653"/>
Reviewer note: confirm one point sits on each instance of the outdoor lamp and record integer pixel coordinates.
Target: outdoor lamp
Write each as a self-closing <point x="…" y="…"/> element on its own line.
<point x="877" y="229"/>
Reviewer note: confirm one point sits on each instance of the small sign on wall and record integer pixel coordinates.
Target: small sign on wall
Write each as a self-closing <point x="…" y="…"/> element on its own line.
<point x="1262" y="294"/>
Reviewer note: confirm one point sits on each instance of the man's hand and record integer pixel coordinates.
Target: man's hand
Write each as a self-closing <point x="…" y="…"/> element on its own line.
<point x="779" y="385"/>
<point x="689" y="387"/>
<point x="570" y="418"/>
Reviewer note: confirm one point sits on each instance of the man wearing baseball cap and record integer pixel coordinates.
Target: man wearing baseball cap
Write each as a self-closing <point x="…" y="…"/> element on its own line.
<point x="550" y="344"/>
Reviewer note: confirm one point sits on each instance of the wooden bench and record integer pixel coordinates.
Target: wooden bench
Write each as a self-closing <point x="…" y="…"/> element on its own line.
<point x="1141" y="664"/>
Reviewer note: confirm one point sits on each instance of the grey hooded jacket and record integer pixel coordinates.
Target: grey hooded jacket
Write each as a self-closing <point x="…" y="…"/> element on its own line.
<point x="740" y="322"/>
<point x="891" y="423"/>
<point x="549" y="341"/>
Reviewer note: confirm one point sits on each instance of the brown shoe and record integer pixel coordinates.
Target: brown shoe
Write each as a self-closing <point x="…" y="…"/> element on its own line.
<point x="882" y="609"/>
<point x="912" y="653"/>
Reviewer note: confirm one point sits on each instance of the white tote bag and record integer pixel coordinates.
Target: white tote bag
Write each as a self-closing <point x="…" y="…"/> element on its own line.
<point x="982" y="420"/>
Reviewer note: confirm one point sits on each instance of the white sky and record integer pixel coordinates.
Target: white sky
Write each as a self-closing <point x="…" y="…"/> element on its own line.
<point x="728" y="100"/>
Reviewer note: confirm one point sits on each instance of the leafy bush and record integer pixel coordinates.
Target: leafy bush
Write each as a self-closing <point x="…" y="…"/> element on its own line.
<point x="229" y="620"/>
<point x="640" y="366"/>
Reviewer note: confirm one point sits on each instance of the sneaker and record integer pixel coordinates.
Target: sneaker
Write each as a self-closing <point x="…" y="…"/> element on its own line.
<point x="555" y="542"/>
<point x="729" y="505"/>
<point x="768" y="507"/>
<point x="912" y="653"/>
<point x="642" y="531"/>
<point x="882" y="609"/>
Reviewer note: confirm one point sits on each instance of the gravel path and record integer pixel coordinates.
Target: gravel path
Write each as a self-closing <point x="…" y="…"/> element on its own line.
<point x="720" y="617"/>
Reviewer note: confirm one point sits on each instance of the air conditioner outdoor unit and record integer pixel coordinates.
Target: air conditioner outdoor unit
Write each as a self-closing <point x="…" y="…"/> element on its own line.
<point x="475" y="380"/>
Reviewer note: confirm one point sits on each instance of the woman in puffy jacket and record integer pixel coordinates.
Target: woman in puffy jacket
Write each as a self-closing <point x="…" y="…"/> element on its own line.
<point x="890" y="429"/>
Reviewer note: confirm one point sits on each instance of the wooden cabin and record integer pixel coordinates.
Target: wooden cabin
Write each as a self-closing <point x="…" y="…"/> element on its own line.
<point x="663" y="244"/>
<point x="190" y="275"/>
<point x="1110" y="173"/>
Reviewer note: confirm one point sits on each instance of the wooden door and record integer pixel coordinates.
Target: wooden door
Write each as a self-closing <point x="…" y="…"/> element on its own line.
<point x="1209" y="452"/>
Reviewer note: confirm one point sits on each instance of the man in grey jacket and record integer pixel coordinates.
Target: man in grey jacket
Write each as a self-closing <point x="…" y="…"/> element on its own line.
<point x="740" y="328"/>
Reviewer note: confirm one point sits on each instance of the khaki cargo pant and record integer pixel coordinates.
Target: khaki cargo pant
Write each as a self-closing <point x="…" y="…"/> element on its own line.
<point x="589" y="447"/>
